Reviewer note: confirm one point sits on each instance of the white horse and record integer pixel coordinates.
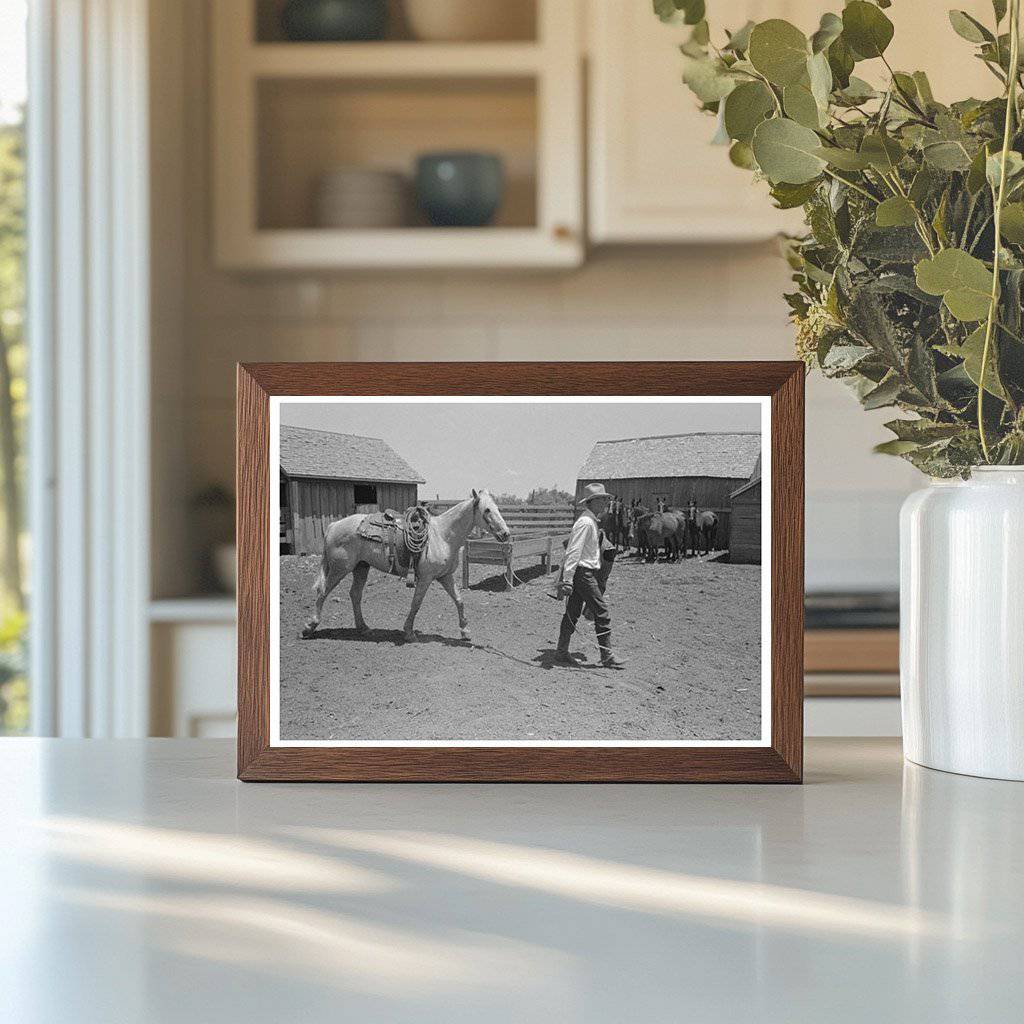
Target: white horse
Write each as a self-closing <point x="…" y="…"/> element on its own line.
<point x="346" y="552"/>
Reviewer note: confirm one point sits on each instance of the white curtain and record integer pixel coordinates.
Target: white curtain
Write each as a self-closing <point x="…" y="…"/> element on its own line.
<point x="88" y="385"/>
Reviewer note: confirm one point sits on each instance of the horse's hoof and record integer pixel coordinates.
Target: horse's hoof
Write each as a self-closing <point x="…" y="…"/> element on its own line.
<point x="466" y="636"/>
<point x="363" y="629"/>
<point x="308" y="632"/>
<point x="410" y="638"/>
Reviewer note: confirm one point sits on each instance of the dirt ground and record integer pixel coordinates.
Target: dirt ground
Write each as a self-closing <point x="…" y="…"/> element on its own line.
<point x="690" y="631"/>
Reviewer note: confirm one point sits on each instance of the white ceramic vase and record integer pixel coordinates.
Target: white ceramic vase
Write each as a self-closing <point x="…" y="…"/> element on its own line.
<point x="962" y="624"/>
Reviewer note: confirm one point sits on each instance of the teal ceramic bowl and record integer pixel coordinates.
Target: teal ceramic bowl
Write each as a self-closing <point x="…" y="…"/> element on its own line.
<point x="334" y="21"/>
<point x="461" y="190"/>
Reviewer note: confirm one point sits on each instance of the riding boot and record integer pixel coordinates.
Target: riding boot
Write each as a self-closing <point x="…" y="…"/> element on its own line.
<point x="609" y="660"/>
<point x="565" y="632"/>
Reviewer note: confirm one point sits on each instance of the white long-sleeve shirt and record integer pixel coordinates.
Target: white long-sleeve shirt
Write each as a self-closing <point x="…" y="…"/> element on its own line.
<point x="584" y="546"/>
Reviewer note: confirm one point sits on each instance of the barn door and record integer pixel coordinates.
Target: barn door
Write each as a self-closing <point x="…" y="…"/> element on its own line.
<point x="366" y="498"/>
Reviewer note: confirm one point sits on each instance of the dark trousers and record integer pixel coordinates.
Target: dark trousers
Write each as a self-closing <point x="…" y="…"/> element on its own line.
<point x="587" y="591"/>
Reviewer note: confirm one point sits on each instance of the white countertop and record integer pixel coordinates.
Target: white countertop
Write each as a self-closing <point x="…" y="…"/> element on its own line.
<point x="140" y="882"/>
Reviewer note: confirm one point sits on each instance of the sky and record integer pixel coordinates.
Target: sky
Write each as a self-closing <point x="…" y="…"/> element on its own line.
<point x="12" y="57"/>
<point x="510" y="448"/>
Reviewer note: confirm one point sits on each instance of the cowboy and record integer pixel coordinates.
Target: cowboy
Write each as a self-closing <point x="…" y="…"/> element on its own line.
<point x="582" y="579"/>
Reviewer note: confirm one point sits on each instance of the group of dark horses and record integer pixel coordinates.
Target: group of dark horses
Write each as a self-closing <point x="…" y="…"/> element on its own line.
<point x="689" y="531"/>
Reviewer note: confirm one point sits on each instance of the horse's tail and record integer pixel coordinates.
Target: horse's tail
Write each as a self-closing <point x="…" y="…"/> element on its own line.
<point x="320" y="584"/>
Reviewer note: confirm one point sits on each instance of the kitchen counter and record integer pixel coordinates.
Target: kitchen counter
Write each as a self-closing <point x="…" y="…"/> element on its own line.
<point x="140" y="882"/>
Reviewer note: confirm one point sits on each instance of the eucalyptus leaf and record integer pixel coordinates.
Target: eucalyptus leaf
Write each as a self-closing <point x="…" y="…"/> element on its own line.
<point x="690" y="12"/>
<point x="883" y="395"/>
<point x="745" y="108"/>
<point x="857" y="91"/>
<point x="841" y="62"/>
<point x="829" y="30"/>
<point x="963" y="281"/>
<point x="972" y="351"/>
<point x="993" y="167"/>
<point x="976" y="176"/>
<point x="947" y="156"/>
<point x="741" y="155"/>
<point x="895" y="212"/>
<point x="788" y="196"/>
<point x="905" y="84"/>
<point x="801" y="106"/>
<point x="895" y="447"/>
<point x="923" y="431"/>
<point x="924" y="87"/>
<point x="819" y="75"/>
<point x="844" y="159"/>
<point x="708" y="80"/>
<point x="922" y="185"/>
<point x="787" y="152"/>
<point x="883" y="152"/>
<point x="779" y="51"/>
<point x="1012" y="223"/>
<point x="866" y="29"/>
<point x="969" y="28"/>
<point x="739" y="41"/>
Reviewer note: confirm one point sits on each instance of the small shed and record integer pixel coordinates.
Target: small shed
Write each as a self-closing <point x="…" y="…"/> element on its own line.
<point x="326" y="476"/>
<point x="705" y="467"/>
<point x="745" y="529"/>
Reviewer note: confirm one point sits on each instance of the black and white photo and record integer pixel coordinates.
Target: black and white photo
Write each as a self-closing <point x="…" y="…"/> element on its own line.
<point x="518" y="571"/>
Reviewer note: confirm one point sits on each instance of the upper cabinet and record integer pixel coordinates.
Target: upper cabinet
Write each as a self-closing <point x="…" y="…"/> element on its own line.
<point x="316" y="144"/>
<point x="654" y="176"/>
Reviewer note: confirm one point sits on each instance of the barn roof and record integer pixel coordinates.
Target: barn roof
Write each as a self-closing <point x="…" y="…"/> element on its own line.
<point x="324" y="454"/>
<point x="725" y="455"/>
<point x="746" y="487"/>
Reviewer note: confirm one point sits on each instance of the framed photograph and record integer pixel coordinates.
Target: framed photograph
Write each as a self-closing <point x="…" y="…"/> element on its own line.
<point x="578" y="572"/>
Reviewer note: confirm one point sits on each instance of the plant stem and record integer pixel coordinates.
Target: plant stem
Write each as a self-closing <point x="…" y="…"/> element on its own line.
<point x="853" y="185"/>
<point x="1011" y="108"/>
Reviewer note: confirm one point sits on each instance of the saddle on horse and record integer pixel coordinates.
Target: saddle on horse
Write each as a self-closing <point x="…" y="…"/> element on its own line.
<point x="402" y="536"/>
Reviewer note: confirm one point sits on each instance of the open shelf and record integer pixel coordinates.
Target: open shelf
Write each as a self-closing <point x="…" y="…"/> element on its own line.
<point x="393" y="60"/>
<point x="309" y="127"/>
<point x="287" y="114"/>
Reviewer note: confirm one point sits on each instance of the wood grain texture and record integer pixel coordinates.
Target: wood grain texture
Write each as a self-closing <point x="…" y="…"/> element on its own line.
<point x="780" y="762"/>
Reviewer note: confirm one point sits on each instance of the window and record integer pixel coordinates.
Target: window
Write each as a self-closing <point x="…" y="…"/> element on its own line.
<point x="365" y="494"/>
<point x="14" y="695"/>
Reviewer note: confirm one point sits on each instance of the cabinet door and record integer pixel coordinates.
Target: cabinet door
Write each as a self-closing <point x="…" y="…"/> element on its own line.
<point x="654" y="177"/>
<point x="653" y="174"/>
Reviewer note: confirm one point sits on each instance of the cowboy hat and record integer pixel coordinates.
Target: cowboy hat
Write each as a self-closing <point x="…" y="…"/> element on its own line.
<point x="592" y="491"/>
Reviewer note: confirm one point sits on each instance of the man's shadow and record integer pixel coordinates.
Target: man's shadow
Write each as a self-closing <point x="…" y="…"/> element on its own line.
<point x="546" y="659"/>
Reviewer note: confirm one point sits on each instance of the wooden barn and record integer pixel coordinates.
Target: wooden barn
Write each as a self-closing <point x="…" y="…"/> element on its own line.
<point x="327" y="476"/>
<point x="705" y="467"/>
<point x="745" y="528"/>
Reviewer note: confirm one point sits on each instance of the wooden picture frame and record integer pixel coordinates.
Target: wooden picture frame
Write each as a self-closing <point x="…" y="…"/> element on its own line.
<point x="780" y="760"/>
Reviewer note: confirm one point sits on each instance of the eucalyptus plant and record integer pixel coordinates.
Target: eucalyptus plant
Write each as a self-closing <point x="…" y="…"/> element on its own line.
<point x="910" y="277"/>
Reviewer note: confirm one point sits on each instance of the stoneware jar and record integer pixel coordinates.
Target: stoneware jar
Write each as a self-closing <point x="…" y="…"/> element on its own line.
<point x="471" y="20"/>
<point x="962" y="624"/>
<point x="317" y="21"/>
<point x="460" y="189"/>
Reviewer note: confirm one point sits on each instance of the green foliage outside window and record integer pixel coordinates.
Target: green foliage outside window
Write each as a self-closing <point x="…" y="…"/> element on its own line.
<point x="13" y="413"/>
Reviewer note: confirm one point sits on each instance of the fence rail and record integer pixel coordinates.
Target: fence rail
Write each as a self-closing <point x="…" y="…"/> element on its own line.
<point x="538" y="532"/>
